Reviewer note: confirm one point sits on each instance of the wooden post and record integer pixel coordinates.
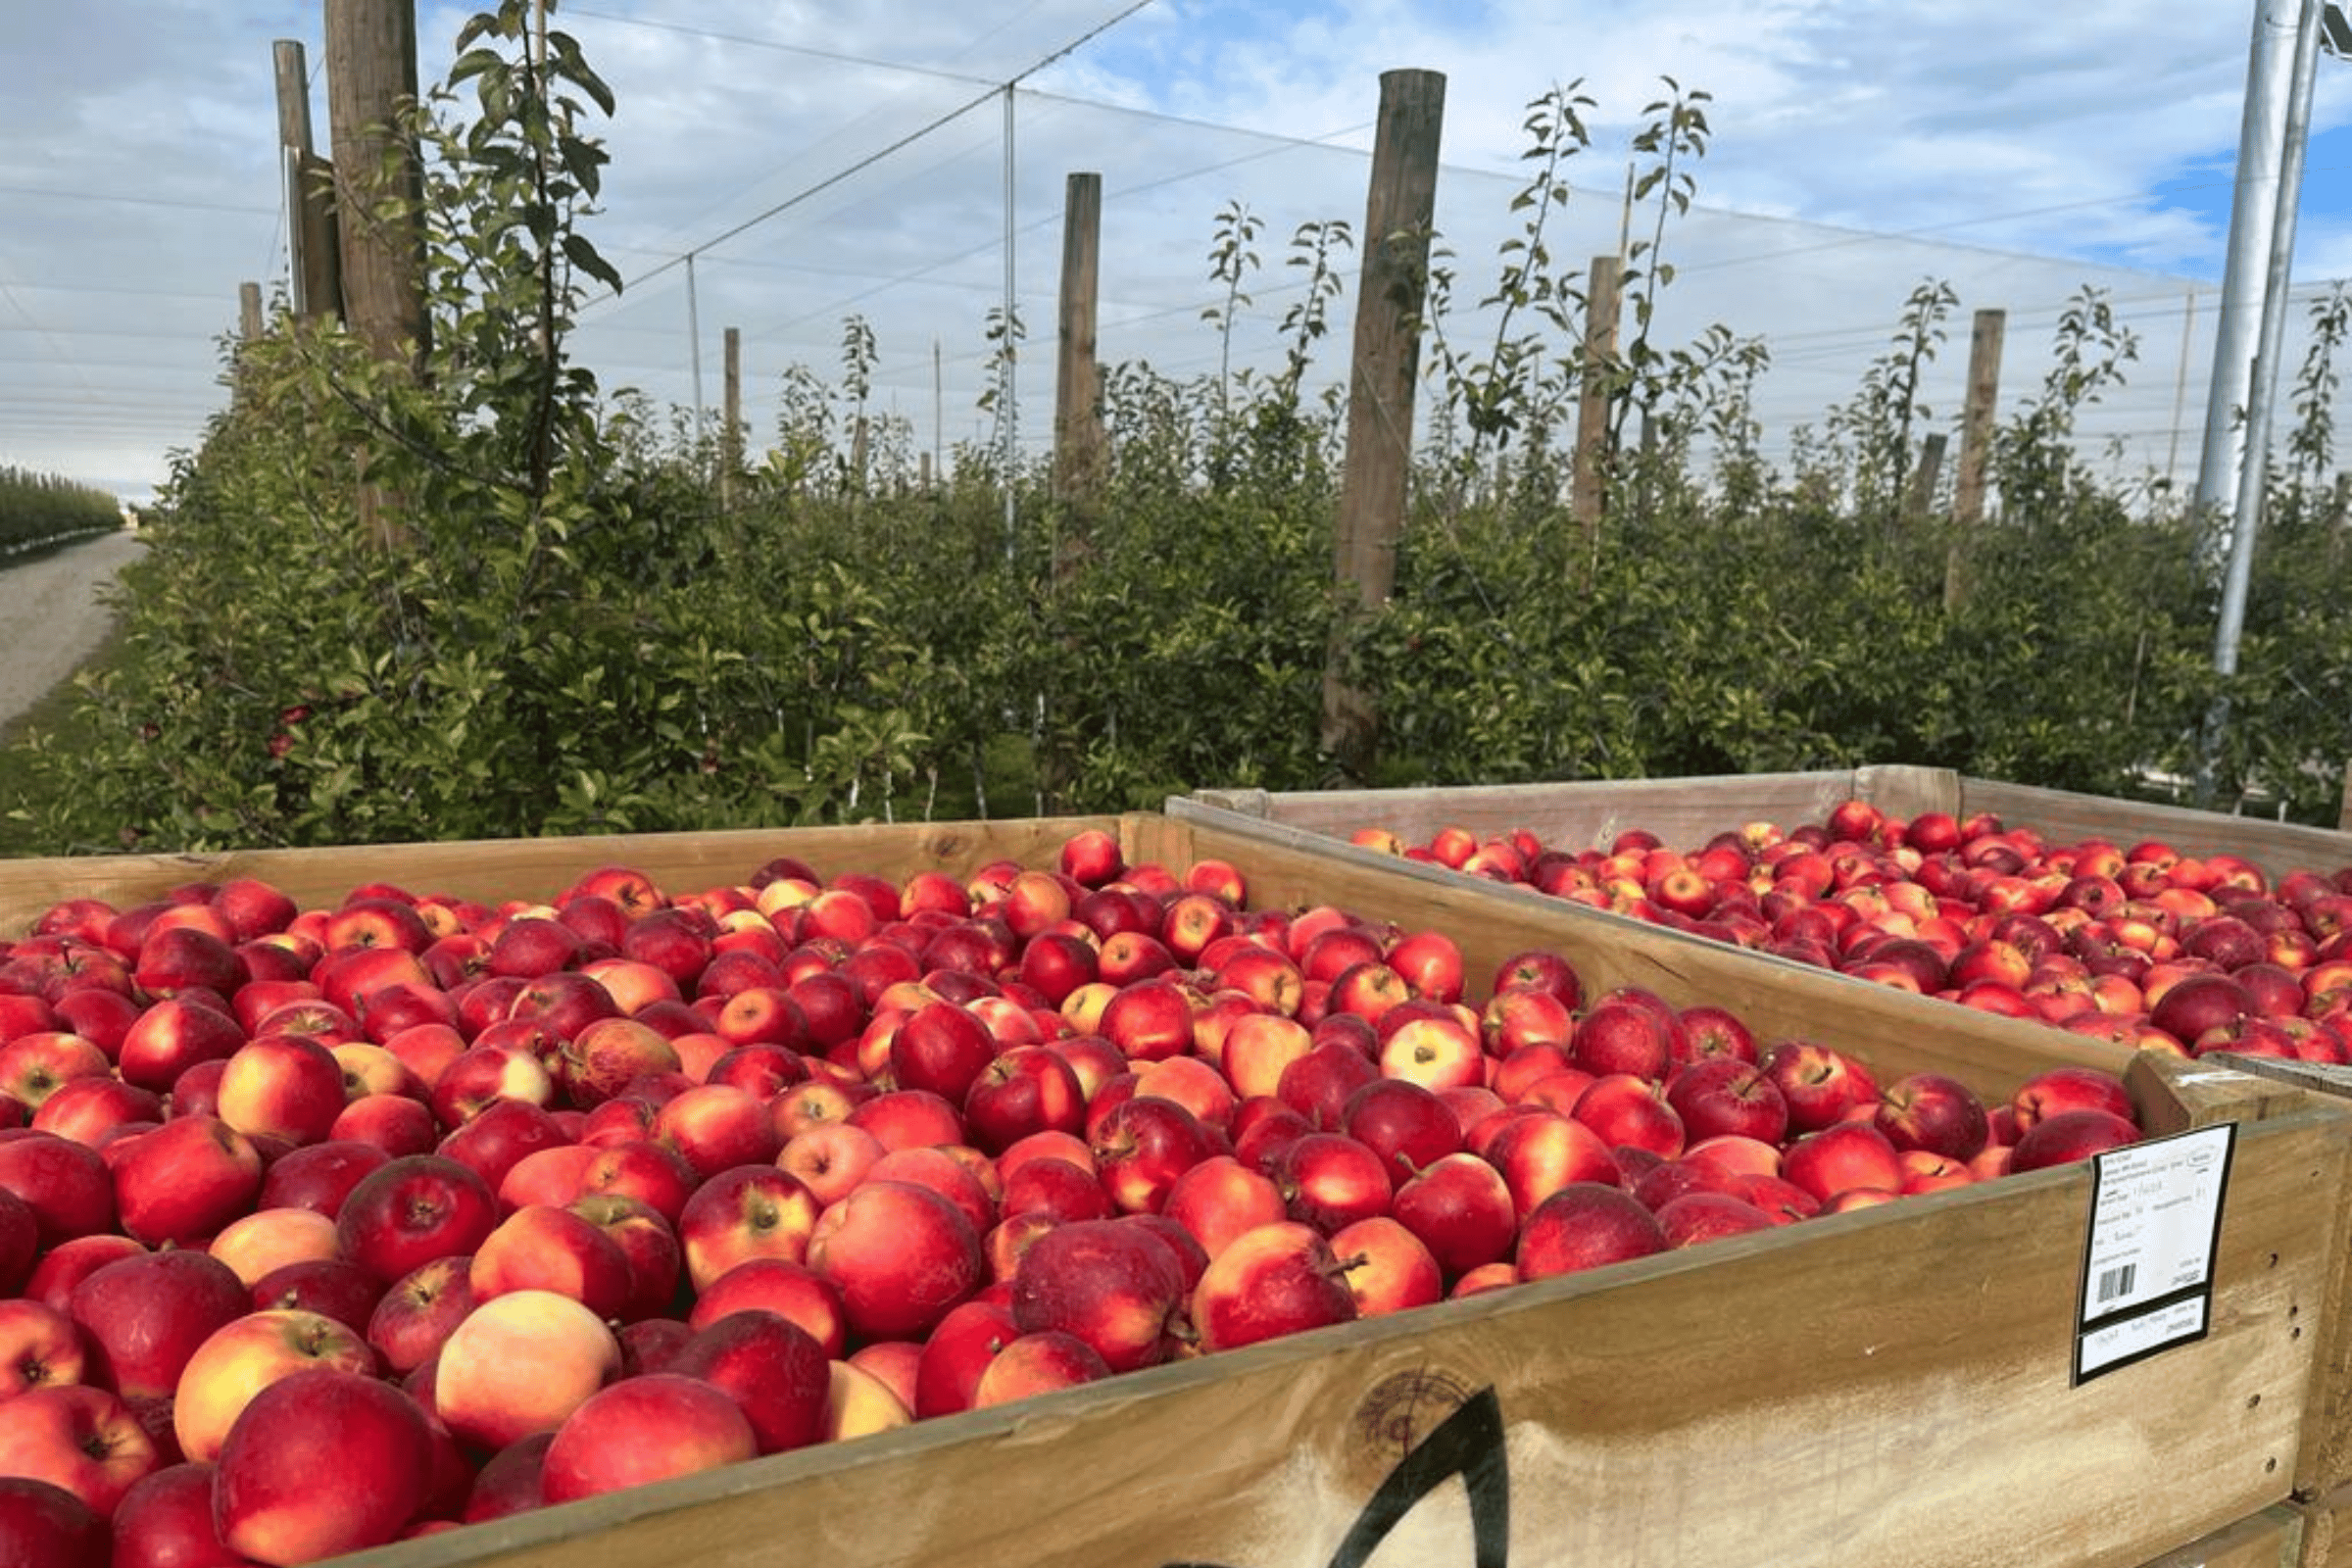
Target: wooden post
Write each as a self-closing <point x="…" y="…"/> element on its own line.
<point x="1975" y="445"/>
<point x="730" y="438"/>
<point x="1077" y="394"/>
<point x="315" y="269"/>
<point x="1922" y="493"/>
<point x="1589" y="466"/>
<point x="1399" y="209"/>
<point x="249" y="312"/>
<point x="371" y="83"/>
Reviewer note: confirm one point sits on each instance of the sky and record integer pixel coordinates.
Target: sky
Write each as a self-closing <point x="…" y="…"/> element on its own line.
<point x="781" y="166"/>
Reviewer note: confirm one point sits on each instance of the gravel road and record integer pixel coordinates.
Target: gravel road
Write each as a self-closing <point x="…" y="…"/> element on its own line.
<point x="51" y="620"/>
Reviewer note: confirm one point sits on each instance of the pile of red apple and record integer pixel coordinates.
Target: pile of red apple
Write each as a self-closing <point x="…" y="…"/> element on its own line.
<point x="2141" y="944"/>
<point x="321" y="1228"/>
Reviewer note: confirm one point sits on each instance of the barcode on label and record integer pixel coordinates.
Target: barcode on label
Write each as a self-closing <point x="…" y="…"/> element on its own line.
<point x="2115" y="1282"/>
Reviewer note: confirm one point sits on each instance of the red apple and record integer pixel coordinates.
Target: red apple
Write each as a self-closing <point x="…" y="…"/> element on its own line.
<point x="1539" y="1151"/>
<point x="1114" y="1286"/>
<point x="1276" y="1280"/>
<point x="745" y="1211"/>
<point x="1846" y="1157"/>
<point x="1631" y="1110"/>
<point x="789" y="1289"/>
<point x="1725" y="1094"/>
<point x="518" y="1364"/>
<point x="1934" y="1112"/>
<point x="542" y="1247"/>
<point x="172" y="1036"/>
<point x="267" y="1499"/>
<point x="956" y="1354"/>
<point x="645" y="1429"/>
<point x="1461" y="1210"/>
<point x="2056" y="1090"/>
<point x="246" y="1354"/>
<point x="1219" y="1199"/>
<point x="775" y="1370"/>
<point x="1031" y="1364"/>
<point x="166" y="1521"/>
<point x="1820" y="1084"/>
<point x="2071" y="1135"/>
<point x="40" y="1347"/>
<point x="84" y="1440"/>
<point x="1586" y="1225"/>
<point x="1387" y="1266"/>
<point x="144" y="1315"/>
<point x="416" y="1312"/>
<point x="899" y="1254"/>
<point x="182" y="1182"/>
<point x="412" y="1210"/>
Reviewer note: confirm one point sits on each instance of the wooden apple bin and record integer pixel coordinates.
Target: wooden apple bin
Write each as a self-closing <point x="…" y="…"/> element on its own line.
<point x="1892" y="1386"/>
<point x="1686" y="811"/>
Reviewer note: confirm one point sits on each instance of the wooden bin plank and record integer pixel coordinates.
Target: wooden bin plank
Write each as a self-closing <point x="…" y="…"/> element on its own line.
<point x="2064" y="816"/>
<point x="1585" y="811"/>
<point x="1895" y="1390"/>
<point x="539" y="868"/>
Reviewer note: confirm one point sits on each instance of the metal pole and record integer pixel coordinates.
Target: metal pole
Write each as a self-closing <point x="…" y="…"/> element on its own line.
<point x="2262" y="383"/>
<point x="2253" y="211"/>
<point x="1005" y="364"/>
<point x="694" y="345"/>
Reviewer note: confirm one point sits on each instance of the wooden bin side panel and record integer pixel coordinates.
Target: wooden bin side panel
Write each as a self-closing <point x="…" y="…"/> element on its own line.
<point x="1893" y="1389"/>
<point x="2062" y="816"/>
<point x="1681" y="811"/>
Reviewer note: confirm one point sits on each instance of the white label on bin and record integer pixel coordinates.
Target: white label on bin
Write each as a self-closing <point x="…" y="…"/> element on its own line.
<point x="2155" y="1225"/>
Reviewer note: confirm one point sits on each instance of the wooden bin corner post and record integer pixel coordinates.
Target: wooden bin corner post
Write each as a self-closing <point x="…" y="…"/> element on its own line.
<point x="1399" y="209"/>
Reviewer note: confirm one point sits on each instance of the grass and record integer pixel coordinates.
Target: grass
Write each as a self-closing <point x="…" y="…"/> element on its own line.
<point x="59" y="718"/>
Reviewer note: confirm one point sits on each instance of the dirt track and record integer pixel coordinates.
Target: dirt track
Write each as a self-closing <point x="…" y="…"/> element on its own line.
<point x="51" y="620"/>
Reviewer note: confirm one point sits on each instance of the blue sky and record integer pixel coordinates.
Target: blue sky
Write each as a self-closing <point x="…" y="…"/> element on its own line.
<point x="2019" y="150"/>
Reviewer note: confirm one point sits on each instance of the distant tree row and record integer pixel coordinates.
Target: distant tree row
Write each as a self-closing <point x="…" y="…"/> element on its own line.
<point x="38" y="507"/>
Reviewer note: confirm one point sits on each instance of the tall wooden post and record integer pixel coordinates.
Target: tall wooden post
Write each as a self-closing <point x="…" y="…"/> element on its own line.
<point x="1399" y="209"/>
<point x="1589" y="472"/>
<point x="1920" y="495"/>
<point x="1975" y="445"/>
<point x="730" y="438"/>
<point x="316" y="269"/>
<point x="372" y="84"/>
<point x="1077" y="392"/>
<point x="249" y="312"/>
